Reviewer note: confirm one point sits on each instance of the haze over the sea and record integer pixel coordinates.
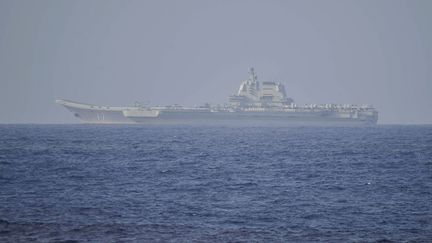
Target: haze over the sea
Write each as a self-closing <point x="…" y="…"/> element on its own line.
<point x="192" y="52"/>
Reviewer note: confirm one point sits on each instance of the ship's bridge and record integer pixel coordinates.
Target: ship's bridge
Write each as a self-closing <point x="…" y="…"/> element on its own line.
<point x="251" y="95"/>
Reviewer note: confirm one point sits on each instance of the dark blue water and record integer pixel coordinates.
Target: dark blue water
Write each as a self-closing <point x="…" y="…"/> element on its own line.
<point x="215" y="184"/>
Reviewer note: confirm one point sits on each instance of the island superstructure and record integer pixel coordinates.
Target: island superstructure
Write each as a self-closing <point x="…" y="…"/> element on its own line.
<point x="254" y="102"/>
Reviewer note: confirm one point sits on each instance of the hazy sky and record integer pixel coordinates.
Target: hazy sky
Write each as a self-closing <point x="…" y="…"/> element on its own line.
<point x="191" y="52"/>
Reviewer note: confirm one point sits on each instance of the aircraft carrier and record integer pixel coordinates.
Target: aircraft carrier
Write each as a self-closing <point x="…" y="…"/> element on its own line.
<point x="255" y="102"/>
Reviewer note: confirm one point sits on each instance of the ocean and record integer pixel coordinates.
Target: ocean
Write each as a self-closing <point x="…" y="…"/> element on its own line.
<point x="106" y="183"/>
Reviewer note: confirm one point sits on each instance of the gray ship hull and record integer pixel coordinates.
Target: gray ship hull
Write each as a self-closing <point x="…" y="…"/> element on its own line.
<point x="254" y="103"/>
<point x="250" y="118"/>
<point x="96" y="114"/>
<point x="133" y="115"/>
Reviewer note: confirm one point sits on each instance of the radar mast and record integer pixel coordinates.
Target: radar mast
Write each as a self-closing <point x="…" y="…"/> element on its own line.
<point x="252" y="76"/>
